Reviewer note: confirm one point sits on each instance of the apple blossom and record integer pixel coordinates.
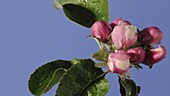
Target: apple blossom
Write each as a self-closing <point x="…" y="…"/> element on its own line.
<point x="119" y="21"/>
<point x="124" y="36"/>
<point x="155" y="55"/>
<point x="101" y="30"/>
<point x="137" y="55"/>
<point x="151" y="35"/>
<point x="118" y="62"/>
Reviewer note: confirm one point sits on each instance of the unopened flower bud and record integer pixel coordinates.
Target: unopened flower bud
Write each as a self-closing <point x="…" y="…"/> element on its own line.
<point x="155" y="55"/>
<point x="137" y="55"/>
<point x="101" y="30"/>
<point x="124" y="36"/>
<point x="119" y="21"/>
<point x="118" y="62"/>
<point x="151" y="35"/>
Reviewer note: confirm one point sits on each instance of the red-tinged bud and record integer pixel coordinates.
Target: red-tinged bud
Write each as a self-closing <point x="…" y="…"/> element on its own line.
<point x="118" y="62"/>
<point x="155" y="55"/>
<point x="151" y="35"/>
<point x="124" y="36"/>
<point x="137" y="55"/>
<point x="119" y="21"/>
<point x="101" y="30"/>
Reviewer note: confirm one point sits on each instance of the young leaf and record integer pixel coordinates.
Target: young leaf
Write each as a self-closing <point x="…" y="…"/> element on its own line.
<point x="46" y="76"/>
<point x="101" y="55"/>
<point x="86" y="12"/>
<point x="76" y="61"/>
<point x="128" y="87"/>
<point x="83" y="79"/>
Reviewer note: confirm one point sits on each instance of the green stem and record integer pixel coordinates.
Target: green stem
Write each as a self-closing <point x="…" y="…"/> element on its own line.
<point x="122" y="77"/>
<point x="99" y="43"/>
<point x="128" y="74"/>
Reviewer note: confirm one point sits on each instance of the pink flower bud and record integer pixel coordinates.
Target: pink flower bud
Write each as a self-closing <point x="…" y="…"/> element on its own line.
<point x="155" y="55"/>
<point x="137" y="55"/>
<point x="118" y="62"/>
<point x="101" y="30"/>
<point x="119" y="21"/>
<point x="151" y="35"/>
<point x="124" y="36"/>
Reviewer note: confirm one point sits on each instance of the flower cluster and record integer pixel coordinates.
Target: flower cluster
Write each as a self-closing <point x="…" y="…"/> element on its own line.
<point x="129" y="46"/>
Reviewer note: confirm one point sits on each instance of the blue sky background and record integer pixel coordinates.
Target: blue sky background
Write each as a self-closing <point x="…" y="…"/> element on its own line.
<point x="33" y="33"/>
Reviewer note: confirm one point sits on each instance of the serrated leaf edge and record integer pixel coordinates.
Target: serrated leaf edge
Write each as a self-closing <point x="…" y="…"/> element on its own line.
<point x="37" y="70"/>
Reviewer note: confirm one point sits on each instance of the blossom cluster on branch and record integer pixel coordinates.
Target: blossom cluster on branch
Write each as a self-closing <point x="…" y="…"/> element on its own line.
<point x="121" y="47"/>
<point x="128" y="46"/>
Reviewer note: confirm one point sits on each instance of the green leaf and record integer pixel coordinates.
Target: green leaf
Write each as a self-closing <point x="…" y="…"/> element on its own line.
<point x="46" y="76"/>
<point x="128" y="87"/>
<point x="98" y="88"/>
<point x="76" y="61"/>
<point x="101" y="55"/>
<point x="100" y="65"/>
<point x="86" y="12"/>
<point x="79" y="14"/>
<point x="83" y="79"/>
